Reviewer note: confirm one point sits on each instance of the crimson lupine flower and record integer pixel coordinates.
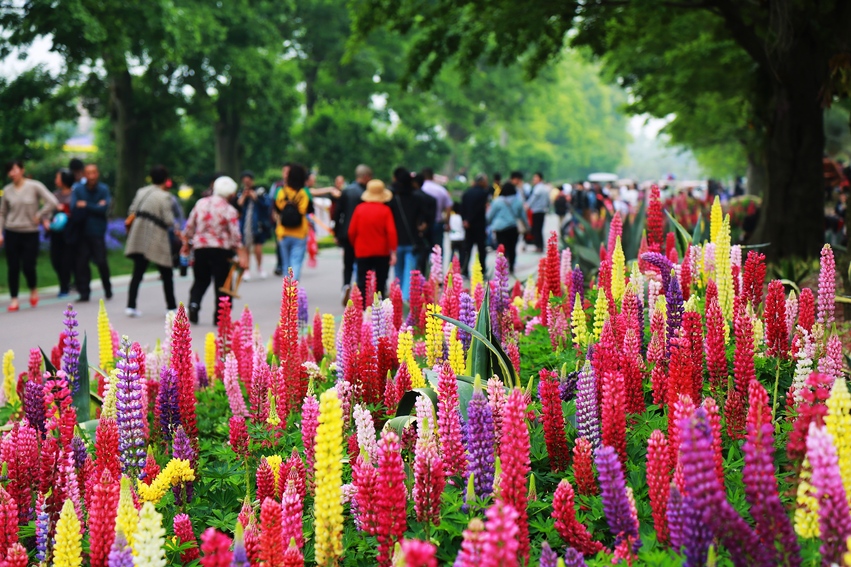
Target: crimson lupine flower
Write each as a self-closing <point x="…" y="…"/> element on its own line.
<point x="184" y="533"/>
<point x="397" y="301"/>
<point x="271" y="534"/>
<point x="713" y="414"/>
<point x="418" y="553"/>
<point x="811" y="409"/>
<point x="753" y="277"/>
<point x="716" y="355"/>
<point x="265" y="480"/>
<point x="349" y="337"/>
<point x="615" y="230"/>
<point x="685" y="274"/>
<point x="614" y="416"/>
<point x="571" y="530"/>
<point x="583" y="467"/>
<point x="364" y="479"/>
<point x="679" y="410"/>
<point x="659" y="473"/>
<point x="671" y="247"/>
<point x="680" y="369"/>
<point x="292" y="508"/>
<point x="216" y="548"/>
<point x="8" y="521"/>
<point x="370" y="380"/>
<point x="151" y="470"/>
<point x="449" y="422"/>
<point x="430" y="480"/>
<point x="514" y="456"/>
<point x="391" y="498"/>
<point x="287" y="334"/>
<point x="181" y="361"/>
<point x="238" y="436"/>
<point x="500" y="546"/>
<point x="553" y="418"/>
<point x="292" y="556"/>
<point x="632" y="365"/>
<point x="616" y="501"/>
<point x="258" y="393"/>
<point x="655" y="221"/>
<point x="224" y="334"/>
<point x="294" y="463"/>
<point x="806" y="309"/>
<point x="22" y="459"/>
<point x="744" y="371"/>
<point x="318" y="349"/>
<point x="693" y="331"/>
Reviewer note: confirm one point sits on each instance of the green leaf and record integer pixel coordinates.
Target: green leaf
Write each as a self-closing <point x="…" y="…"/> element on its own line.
<point x="409" y="399"/>
<point x="482" y="361"/>
<point x="697" y="234"/>
<point x="682" y="234"/>
<point x="82" y="397"/>
<point x="48" y="366"/>
<point x="399" y="423"/>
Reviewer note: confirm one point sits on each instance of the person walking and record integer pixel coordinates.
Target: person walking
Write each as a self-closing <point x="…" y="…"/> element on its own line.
<point x="411" y="227"/>
<point x="61" y="251"/>
<point x="444" y="206"/>
<point x="474" y="204"/>
<point x="90" y="202"/>
<point x="505" y="213"/>
<point x="538" y="204"/>
<point x="254" y="221"/>
<point x="372" y="233"/>
<point x="212" y="231"/>
<point x="26" y="203"/>
<point x="274" y="190"/>
<point x="349" y="199"/>
<point x="151" y="216"/>
<point x="292" y="204"/>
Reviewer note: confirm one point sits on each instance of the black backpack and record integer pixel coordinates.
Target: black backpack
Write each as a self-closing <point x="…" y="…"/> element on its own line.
<point x="560" y="205"/>
<point x="290" y="215"/>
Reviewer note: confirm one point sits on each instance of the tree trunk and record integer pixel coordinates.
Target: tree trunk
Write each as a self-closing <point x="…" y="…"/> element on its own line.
<point x="792" y="215"/>
<point x="228" y="146"/>
<point x="130" y="152"/>
<point x="757" y="175"/>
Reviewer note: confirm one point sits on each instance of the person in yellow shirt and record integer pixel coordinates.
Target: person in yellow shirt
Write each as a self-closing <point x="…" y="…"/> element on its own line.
<point x="291" y="206"/>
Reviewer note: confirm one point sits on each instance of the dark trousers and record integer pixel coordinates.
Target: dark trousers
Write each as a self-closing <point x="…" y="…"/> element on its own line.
<point x="210" y="264"/>
<point x="140" y="264"/>
<point x="91" y="249"/>
<point x="21" y="254"/>
<point x="538" y="229"/>
<point x="348" y="262"/>
<point x="62" y="260"/>
<point x="508" y="239"/>
<point x="381" y="266"/>
<point x="477" y="238"/>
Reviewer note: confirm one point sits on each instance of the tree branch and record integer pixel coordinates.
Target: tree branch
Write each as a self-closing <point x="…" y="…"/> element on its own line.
<point x="744" y="34"/>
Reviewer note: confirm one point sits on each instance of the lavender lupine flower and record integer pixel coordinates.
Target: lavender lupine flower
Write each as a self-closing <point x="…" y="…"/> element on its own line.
<point x="549" y="558"/>
<point x="573" y="558"/>
<point x="240" y="555"/>
<point x="34" y="405"/>
<point x="500" y="278"/>
<point x="480" y="443"/>
<point x="121" y="555"/>
<point x="365" y="431"/>
<point x="675" y="514"/>
<point x="661" y="262"/>
<point x="301" y="304"/>
<point x="467" y="315"/>
<point x="42" y="530"/>
<point x="167" y="403"/>
<point x="182" y="449"/>
<point x="578" y="286"/>
<point x="378" y="321"/>
<point x="616" y="504"/>
<point x="709" y="498"/>
<point x="674" y="301"/>
<point x="78" y="448"/>
<point x="587" y="410"/>
<point x="686" y="528"/>
<point x="129" y="411"/>
<point x="201" y="378"/>
<point x="834" y="514"/>
<point x="71" y="349"/>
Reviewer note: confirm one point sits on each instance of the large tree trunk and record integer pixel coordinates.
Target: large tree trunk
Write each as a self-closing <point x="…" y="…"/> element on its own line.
<point x="131" y="153"/>
<point x="757" y="183"/>
<point x="228" y="146"/>
<point x="792" y="215"/>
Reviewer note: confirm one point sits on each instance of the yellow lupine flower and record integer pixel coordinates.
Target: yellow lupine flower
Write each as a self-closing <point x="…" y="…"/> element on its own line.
<point x="210" y="353"/>
<point x="107" y="361"/>
<point x="806" y="512"/>
<point x="68" y="547"/>
<point x="127" y="518"/>
<point x="328" y="503"/>
<point x="578" y="323"/>
<point x="601" y="312"/>
<point x="456" y="353"/>
<point x="838" y="423"/>
<point x="715" y="219"/>
<point x="618" y="270"/>
<point x="691" y="304"/>
<point x="148" y="549"/>
<point x="10" y="380"/>
<point x="723" y="273"/>
<point x="273" y="419"/>
<point x="417" y="378"/>
<point x="275" y="464"/>
<point x="404" y="346"/>
<point x="109" y="396"/>
<point x="476" y="276"/>
<point x="328" y="335"/>
<point x="846" y="557"/>
<point x="175" y="472"/>
<point x="434" y="335"/>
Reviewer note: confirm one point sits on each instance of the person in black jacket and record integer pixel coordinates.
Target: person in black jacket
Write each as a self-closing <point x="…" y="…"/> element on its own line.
<point x="430" y="211"/>
<point x="409" y="213"/>
<point x="350" y="198"/>
<point x="474" y="205"/>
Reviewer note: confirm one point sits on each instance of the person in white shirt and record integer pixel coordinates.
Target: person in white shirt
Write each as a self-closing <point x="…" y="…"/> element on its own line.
<point x="539" y="203"/>
<point x="456" y="230"/>
<point x="444" y="206"/>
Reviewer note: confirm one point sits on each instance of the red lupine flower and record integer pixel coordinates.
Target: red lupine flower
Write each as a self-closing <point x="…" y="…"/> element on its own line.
<point x="371" y="382"/>
<point x="754" y="278"/>
<point x="252" y="543"/>
<point x="22" y="463"/>
<point x="292" y="508"/>
<point x="390" y="398"/>
<point x="391" y="498"/>
<point x="238" y="436"/>
<point x="680" y="369"/>
<point x="713" y="415"/>
<point x="181" y="361"/>
<point x="659" y="472"/>
<point x="364" y="479"/>
<point x="398" y="304"/>
<point x="429" y="481"/>
<point x="293" y="556"/>
<point x="318" y="349"/>
<point x="293" y="389"/>
<point x="776" y="332"/>
<point x="573" y="532"/>
<point x="734" y="412"/>
<point x="34" y="366"/>
<point x="151" y="470"/>
<point x="16" y="556"/>
<point x="716" y="353"/>
<point x="811" y="409"/>
<point x="693" y="331"/>
<point x="271" y="534"/>
<point x="514" y="456"/>
<point x="671" y="248"/>
<point x="685" y="274"/>
<point x="449" y="422"/>
<point x="403" y="380"/>
<point x="224" y="333"/>
<point x="216" y="548"/>
<point x="655" y="222"/>
<point x="583" y="467"/>
<point x="614" y="413"/>
<point x="265" y="481"/>
<point x="615" y="230"/>
<point x="8" y="521"/>
<point x="184" y="533"/>
<point x="678" y="411"/>
<point x="553" y="418"/>
<point x="744" y="371"/>
<point x="807" y="309"/>
<point x="103" y="509"/>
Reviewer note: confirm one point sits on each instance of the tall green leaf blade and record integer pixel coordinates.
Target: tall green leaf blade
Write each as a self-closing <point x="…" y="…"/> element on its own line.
<point x="409" y="399"/>
<point x="501" y="367"/>
<point x="48" y="366"/>
<point x="82" y="398"/>
<point x="683" y="237"/>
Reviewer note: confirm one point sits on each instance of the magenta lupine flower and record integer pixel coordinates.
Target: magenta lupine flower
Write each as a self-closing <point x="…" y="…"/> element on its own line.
<point x="449" y="422"/>
<point x="467" y="315"/>
<point x="480" y="443"/>
<point x="309" y="426"/>
<point x="587" y="408"/>
<point x="710" y="501"/>
<point x="292" y="510"/>
<point x="429" y="479"/>
<point x="831" y="363"/>
<point x="674" y="300"/>
<point x="827" y="286"/>
<point x="169" y="412"/>
<point x="616" y="504"/>
<point x="34" y="405"/>
<point x="71" y="349"/>
<point x="834" y="514"/>
<point x="232" y="388"/>
<point x="500" y="546"/>
<point x="130" y="412"/>
<point x="419" y="553"/>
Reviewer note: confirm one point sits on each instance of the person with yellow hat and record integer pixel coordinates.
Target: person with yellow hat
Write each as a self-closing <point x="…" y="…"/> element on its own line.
<point x="372" y="234"/>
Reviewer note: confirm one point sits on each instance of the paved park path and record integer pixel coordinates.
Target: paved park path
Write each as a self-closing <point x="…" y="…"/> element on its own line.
<point x="40" y="327"/>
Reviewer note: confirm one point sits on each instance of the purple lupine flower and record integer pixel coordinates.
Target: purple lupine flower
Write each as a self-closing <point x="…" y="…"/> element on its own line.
<point x="480" y="443"/>
<point x="834" y="514"/>
<point x="467" y="315"/>
<point x="182" y="449"/>
<point x="500" y="278"/>
<point x="549" y="558"/>
<point x="120" y="555"/>
<point x="201" y="378"/>
<point x="379" y="321"/>
<point x="71" y="349"/>
<point x="587" y="410"/>
<point x="616" y="503"/>
<point x="577" y="286"/>
<point x="129" y="411"/>
<point x="567" y="386"/>
<point x="78" y="448"/>
<point x="42" y="530"/>
<point x="573" y="558"/>
<point x="685" y="523"/>
<point x="240" y="556"/>
<point x="707" y="498"/>
<point x="495" y="311"/>
<point x="674" y="301"/>
<point x="34" y="405"/>
<point x="676" y="516"/>
<point x="167" y="403"/>
<point x="661" y="262"/>
<point x="639" y="309"/>
<point x="301" y="302"/>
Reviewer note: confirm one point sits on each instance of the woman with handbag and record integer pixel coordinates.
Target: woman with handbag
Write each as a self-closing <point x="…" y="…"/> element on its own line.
<point x="506" y="217"/>
<point x="149" y="220"/>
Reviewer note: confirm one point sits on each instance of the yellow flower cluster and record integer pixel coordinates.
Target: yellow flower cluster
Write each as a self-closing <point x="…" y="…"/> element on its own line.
<point x="405" y="353"/>
<point x="10" y="380"/>
<point x="476" y="276"/>
<point x="175" y="472"/>
<point x="328" y="504"/>
<point x="434" y="335"/>
<point x="456" y="353"/>
<point x="723" y="270"/>
<point x="109" y="395"/>
<point x="107" y="360"/>
<point x="806" y="512"/>
<point x="274" y="462"/>
<point x="328" y="334"/>
<point x="68" y="548"/>
<point x="128" y="517"/>
<point x="210" y="353"/>
<point x="715" y="219"/>
<point x="838" y="423"/>
<point x="618" y="270"/>
<point x="148" y="549"/>
<point x="273" y="419"/>
<point x="578" y="323"/>
<point x="601" y="312"/>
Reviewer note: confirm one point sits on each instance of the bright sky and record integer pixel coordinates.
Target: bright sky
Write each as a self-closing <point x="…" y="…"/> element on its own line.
<point x="38" y="52"/>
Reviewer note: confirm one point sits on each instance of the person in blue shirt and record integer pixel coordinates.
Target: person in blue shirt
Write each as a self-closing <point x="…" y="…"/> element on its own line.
<point x="89" y="204"/>
<point x="505" y="216"/>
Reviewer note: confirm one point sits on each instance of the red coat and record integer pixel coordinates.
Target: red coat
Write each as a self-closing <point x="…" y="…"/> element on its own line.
<point x="372" y="231"/>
